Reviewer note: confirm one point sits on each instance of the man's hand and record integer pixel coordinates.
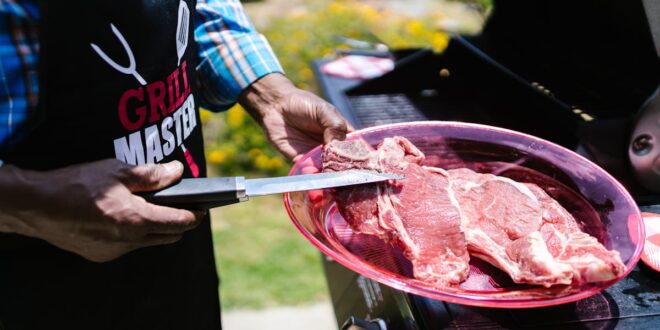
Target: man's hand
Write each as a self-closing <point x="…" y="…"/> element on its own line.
<point x="295" y="121"/>
<point x="90" y="209"/>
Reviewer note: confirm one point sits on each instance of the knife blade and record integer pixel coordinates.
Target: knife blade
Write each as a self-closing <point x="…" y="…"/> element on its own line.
<point x="206" y="193"/>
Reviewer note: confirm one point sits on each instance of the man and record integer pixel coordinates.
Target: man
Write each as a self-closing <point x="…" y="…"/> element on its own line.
<point x="119" y="84"/>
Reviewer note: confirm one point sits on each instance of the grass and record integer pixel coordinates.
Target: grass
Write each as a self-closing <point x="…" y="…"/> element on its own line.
<point x="262" y="258"/>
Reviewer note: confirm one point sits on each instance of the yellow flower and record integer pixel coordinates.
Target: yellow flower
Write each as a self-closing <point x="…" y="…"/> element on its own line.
<point x="439" y="41"/>
<point x="370" y="14"/>
<point x="205" y="116"/>
<point x="414" y="27"/>
<point x="275" y="163"/>
<point x="336" y="8"/>
<point x="235" y="116"/>
<point x="262" y="162"/>
<point x="216" y="157"/>
<point x="254" y="153"/>
<point x="306" y="74"/>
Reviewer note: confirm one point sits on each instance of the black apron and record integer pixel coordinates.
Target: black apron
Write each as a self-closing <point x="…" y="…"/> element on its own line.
<point x="117" y="81"/>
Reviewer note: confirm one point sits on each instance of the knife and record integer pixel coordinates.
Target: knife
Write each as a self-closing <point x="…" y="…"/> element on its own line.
<point x="207" y="193"/>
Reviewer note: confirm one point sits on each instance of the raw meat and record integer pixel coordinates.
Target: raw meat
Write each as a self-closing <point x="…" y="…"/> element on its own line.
<point x="590" y="260"/>
<point x="436" y="216"/>
<point x="502" y="218"/>
<point x="414" y="215"/>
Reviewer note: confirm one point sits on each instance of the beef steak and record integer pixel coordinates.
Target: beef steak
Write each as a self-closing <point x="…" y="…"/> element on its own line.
<point x="436" y="216"/>
<point x="418" y="216"/>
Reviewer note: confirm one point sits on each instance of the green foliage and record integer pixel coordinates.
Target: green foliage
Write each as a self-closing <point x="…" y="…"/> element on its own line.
<point x="484" y="4"/>
<point x="238" y="146"/>
<point x="263" y="259"/>
<point x="309" y="34"/>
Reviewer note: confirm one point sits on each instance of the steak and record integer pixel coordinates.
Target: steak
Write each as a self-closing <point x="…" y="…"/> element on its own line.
<point x="439" y="217"/>
<point x="502" y="219"/>
<point x="418" y="216"/>
<point x="590" y="260"/>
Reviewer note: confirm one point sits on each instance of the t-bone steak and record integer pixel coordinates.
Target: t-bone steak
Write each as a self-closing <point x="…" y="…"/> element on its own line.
<point x="436" y="216"/>
<point x="416" y="215"/>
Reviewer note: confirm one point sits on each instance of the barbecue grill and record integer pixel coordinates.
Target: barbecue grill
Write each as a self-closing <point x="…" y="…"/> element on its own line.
<point x="465" y="84"/>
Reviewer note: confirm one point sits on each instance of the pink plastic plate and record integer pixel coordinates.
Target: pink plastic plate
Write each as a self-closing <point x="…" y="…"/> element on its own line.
<point x="601" y="205"/>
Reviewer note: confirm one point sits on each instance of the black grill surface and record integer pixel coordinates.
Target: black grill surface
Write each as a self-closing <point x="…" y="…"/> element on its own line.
<point x="374" y="110"/>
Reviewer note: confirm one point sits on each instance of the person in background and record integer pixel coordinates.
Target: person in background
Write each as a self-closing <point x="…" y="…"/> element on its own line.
<point x="99" y="100"/>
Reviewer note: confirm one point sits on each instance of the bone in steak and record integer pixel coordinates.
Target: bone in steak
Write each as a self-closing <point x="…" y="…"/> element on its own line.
<point x="437" y="216"/>
<point x="415" y="216"/>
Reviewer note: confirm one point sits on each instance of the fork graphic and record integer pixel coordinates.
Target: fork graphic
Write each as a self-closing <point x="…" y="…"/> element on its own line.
<point x="130" y="69"/>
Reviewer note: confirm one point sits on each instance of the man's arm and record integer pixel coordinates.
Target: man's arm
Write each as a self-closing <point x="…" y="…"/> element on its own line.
<point x="90" y="209"/>
<point x="239" y="65"/>
<point x="233" y="55"/>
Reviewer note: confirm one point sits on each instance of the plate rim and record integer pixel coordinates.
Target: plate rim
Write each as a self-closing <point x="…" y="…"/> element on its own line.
<point x="478" y="301"/>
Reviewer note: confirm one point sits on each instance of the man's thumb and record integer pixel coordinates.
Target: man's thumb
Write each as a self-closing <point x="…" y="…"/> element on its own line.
<point x="151" y="177"/>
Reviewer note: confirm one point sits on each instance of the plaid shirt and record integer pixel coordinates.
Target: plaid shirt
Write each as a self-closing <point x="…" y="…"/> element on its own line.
<point x="232" y="56"/>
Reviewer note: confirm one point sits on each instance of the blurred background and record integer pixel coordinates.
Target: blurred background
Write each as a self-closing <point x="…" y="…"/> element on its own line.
<point x="269" y="272"/>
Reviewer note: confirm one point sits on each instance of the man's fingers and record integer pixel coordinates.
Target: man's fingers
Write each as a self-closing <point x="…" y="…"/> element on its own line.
<point x="151" y="177"/>
<point x="333" y="133"/>
<point x="335" y="126"/>
<point x="160" y="239"/>
<point x="166" y="220"/>
<point x="290" y="152"/>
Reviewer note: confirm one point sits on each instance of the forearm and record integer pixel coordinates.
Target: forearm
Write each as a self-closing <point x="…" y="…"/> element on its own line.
<point x="265" y="93"/>
<point x="233" y="54"/>
<point x="91" y="209"/>
<point x="18" y="198"/>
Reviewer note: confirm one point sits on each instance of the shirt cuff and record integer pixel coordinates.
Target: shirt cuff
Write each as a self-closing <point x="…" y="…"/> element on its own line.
<point x="230" y="62"/>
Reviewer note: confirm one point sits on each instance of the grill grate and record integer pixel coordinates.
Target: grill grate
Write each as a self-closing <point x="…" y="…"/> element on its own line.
<point x="379" y="109"/>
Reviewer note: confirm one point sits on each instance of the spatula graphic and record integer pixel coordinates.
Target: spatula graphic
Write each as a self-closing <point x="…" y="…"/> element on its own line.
<point x="182" y="30"/>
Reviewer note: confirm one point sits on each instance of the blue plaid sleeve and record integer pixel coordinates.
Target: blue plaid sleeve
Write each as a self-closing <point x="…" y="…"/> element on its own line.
<point x="19" y="86"/>
<point x="232" y="53"/>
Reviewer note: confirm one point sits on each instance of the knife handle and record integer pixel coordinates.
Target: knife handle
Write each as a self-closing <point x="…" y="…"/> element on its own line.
<point x="200" y="193"/>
